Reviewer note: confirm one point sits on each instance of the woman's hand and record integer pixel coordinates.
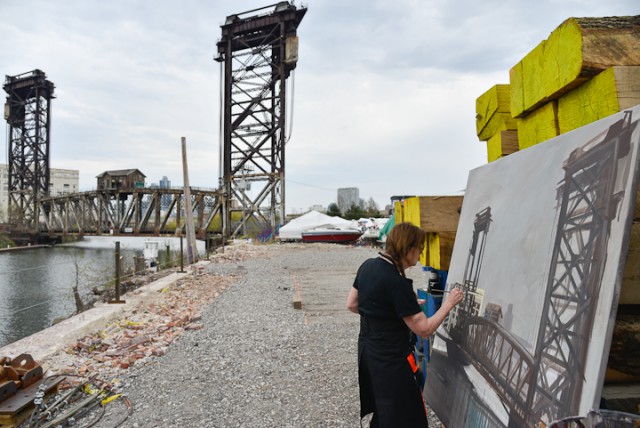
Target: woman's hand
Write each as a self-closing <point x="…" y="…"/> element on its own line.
<point x="425" y="327"/>
<point x="454" y="298"/>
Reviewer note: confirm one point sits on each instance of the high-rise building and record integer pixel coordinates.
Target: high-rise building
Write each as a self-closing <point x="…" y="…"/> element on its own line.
<point x="165" y="200"/>
<point x="61" y="181"/>
<point x="165" y="183"/>
<point x="347" y="197"/>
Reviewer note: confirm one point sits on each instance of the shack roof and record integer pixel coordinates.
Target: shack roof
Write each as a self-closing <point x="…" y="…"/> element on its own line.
<point x="120" y="172"/>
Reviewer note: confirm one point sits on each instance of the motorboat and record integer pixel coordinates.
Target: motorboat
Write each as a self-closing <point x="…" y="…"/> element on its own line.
<point x="331" y="234"/>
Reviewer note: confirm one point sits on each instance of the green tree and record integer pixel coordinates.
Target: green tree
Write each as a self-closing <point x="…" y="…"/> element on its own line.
<point x="333" y="210"/>
<point x="354" y="213"/>
<point x="371" y="208"/>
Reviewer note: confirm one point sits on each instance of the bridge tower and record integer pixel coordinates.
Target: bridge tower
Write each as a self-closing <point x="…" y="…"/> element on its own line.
<point x="28" y="115"/>
<point x="588" y="198"/>
<point x="469" y="306"/>
<point x="257" y="53"/>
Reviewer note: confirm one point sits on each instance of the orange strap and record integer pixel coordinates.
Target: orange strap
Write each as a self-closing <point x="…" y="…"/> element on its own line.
<point x="412" y="362"/>
<point x="414" y="368"/>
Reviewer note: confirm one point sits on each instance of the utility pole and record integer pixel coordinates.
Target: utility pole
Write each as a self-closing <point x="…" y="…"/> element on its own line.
<point x="192" y="251"/>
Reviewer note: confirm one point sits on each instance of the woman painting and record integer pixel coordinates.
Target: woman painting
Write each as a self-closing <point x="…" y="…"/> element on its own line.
<point x="389" y="312"/>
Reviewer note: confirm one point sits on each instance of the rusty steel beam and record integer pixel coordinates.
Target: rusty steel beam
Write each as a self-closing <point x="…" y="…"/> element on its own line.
<point x="257" y="52"/>
<point x="28" y="115"/>
<point x="139" y="211"/>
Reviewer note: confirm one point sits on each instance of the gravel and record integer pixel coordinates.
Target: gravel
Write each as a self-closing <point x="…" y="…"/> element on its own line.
<point x="258" y="362"/>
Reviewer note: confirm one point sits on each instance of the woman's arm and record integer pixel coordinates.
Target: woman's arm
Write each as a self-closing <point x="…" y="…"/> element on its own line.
<point x="425" y="327"/>
<point x="352" y="300"/>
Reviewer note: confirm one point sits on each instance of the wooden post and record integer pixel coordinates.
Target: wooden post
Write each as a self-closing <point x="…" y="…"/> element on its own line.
<point x="181" y="255"/>
<point x="192" y="252"/>
<point x="117" y="286"/>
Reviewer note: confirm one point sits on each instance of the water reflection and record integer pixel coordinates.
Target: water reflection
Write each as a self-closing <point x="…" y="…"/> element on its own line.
<point x="36" y="285"/>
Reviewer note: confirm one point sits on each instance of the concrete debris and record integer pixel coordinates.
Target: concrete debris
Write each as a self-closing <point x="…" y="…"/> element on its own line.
<point x="147" y="330"/>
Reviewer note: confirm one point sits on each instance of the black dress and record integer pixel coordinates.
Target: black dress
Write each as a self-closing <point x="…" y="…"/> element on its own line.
<point x="387" y="384"/>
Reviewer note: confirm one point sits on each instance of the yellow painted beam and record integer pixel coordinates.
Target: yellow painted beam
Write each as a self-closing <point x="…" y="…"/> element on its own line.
<point x="432" y="251"/>
<point x="577" y="50"/>
<point x="412" y="211"/>
<point x="398" y="212"/>
<point x="502" y="144"/>
<point x="539" y="126"/>
<point x="613" y="90"/>
<point x="493" y="113"/>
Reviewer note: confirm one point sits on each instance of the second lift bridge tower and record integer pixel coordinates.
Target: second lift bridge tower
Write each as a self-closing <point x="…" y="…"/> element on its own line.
<point x="257" y="51"/>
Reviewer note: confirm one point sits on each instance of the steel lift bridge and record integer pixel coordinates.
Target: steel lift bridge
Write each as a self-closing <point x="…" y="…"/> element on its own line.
<point x="257" y="53"/>
<point x="32" y="210"/>
<point x="27" y="112"/>
<point x="547" y="385"/>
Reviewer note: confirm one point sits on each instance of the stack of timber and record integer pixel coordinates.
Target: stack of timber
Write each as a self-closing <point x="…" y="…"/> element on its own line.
<point x="588" y="69"/>
<point x="438" y="216"/>
<point x="494" y="123"/>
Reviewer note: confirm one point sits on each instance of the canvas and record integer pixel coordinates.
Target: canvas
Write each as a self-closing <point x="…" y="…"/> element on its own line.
<point x="539" y="254"/>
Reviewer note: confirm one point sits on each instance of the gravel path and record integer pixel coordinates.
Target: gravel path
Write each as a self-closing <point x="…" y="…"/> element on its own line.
<point x="257" y="361"/>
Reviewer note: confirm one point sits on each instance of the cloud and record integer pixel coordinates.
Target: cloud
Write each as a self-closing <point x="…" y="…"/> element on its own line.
<point x="383" y="97"/>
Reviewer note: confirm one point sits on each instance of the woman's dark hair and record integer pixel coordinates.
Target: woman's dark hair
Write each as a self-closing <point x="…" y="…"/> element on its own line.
<point x="401" y="239"/>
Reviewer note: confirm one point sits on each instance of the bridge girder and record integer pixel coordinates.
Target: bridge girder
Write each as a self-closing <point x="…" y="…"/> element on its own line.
<point x="139" y="211"/>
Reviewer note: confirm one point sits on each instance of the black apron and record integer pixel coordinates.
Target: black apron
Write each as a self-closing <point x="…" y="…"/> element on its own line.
<point x="388" y="384"/>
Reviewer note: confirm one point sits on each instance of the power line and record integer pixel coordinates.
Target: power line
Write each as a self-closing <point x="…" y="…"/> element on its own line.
<point x="311" y="185"/>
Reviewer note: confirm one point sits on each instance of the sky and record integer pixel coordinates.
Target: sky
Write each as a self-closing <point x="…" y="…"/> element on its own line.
<point x="383" y="94"/>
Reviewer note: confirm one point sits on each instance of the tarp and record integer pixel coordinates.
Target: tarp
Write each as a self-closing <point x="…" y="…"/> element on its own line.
<point x="293" y="230"/>
<point x="387" y="227"/>
<point x="372" y="227"/>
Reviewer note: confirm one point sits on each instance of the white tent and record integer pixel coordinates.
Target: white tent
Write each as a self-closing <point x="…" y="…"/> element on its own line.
<point x="293" y="230"/>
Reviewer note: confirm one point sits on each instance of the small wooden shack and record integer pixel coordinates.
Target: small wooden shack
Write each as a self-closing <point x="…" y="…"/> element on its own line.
<point x="123" y="179"/>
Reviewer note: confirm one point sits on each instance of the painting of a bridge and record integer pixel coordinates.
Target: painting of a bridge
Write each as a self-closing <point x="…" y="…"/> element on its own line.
<point x="539" y="254"/>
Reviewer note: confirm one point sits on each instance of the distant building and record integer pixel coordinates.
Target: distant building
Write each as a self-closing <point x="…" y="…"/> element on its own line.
<point x="61" y="181"/>
<point x="347" y="197"/>
<point x="123" y="179"/>
<point x="165" y="200"/>
<point x="318" y="208"/>
<point x="165" y="183"/>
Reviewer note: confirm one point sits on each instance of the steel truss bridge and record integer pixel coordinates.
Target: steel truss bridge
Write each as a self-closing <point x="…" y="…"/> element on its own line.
<point x="502" y="361"/>
<point x="140" y="211"/>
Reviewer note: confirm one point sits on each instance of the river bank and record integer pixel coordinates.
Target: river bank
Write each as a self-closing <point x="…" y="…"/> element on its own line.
<point x="23" y="248"/>
<point x="224" y="346"/>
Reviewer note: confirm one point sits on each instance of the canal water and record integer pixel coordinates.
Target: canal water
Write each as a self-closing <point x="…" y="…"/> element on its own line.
<point x="36" y="285"/>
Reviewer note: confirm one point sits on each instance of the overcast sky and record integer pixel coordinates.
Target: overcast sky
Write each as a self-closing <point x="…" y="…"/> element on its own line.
<point x="384" y="91"/>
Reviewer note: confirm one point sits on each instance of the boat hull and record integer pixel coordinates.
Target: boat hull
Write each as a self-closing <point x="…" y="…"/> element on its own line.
<point x="339" y="237"/>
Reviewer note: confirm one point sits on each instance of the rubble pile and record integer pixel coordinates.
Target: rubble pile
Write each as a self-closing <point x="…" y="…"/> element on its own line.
<point x="146" y="331"/>
<point x="239" y="252"/>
